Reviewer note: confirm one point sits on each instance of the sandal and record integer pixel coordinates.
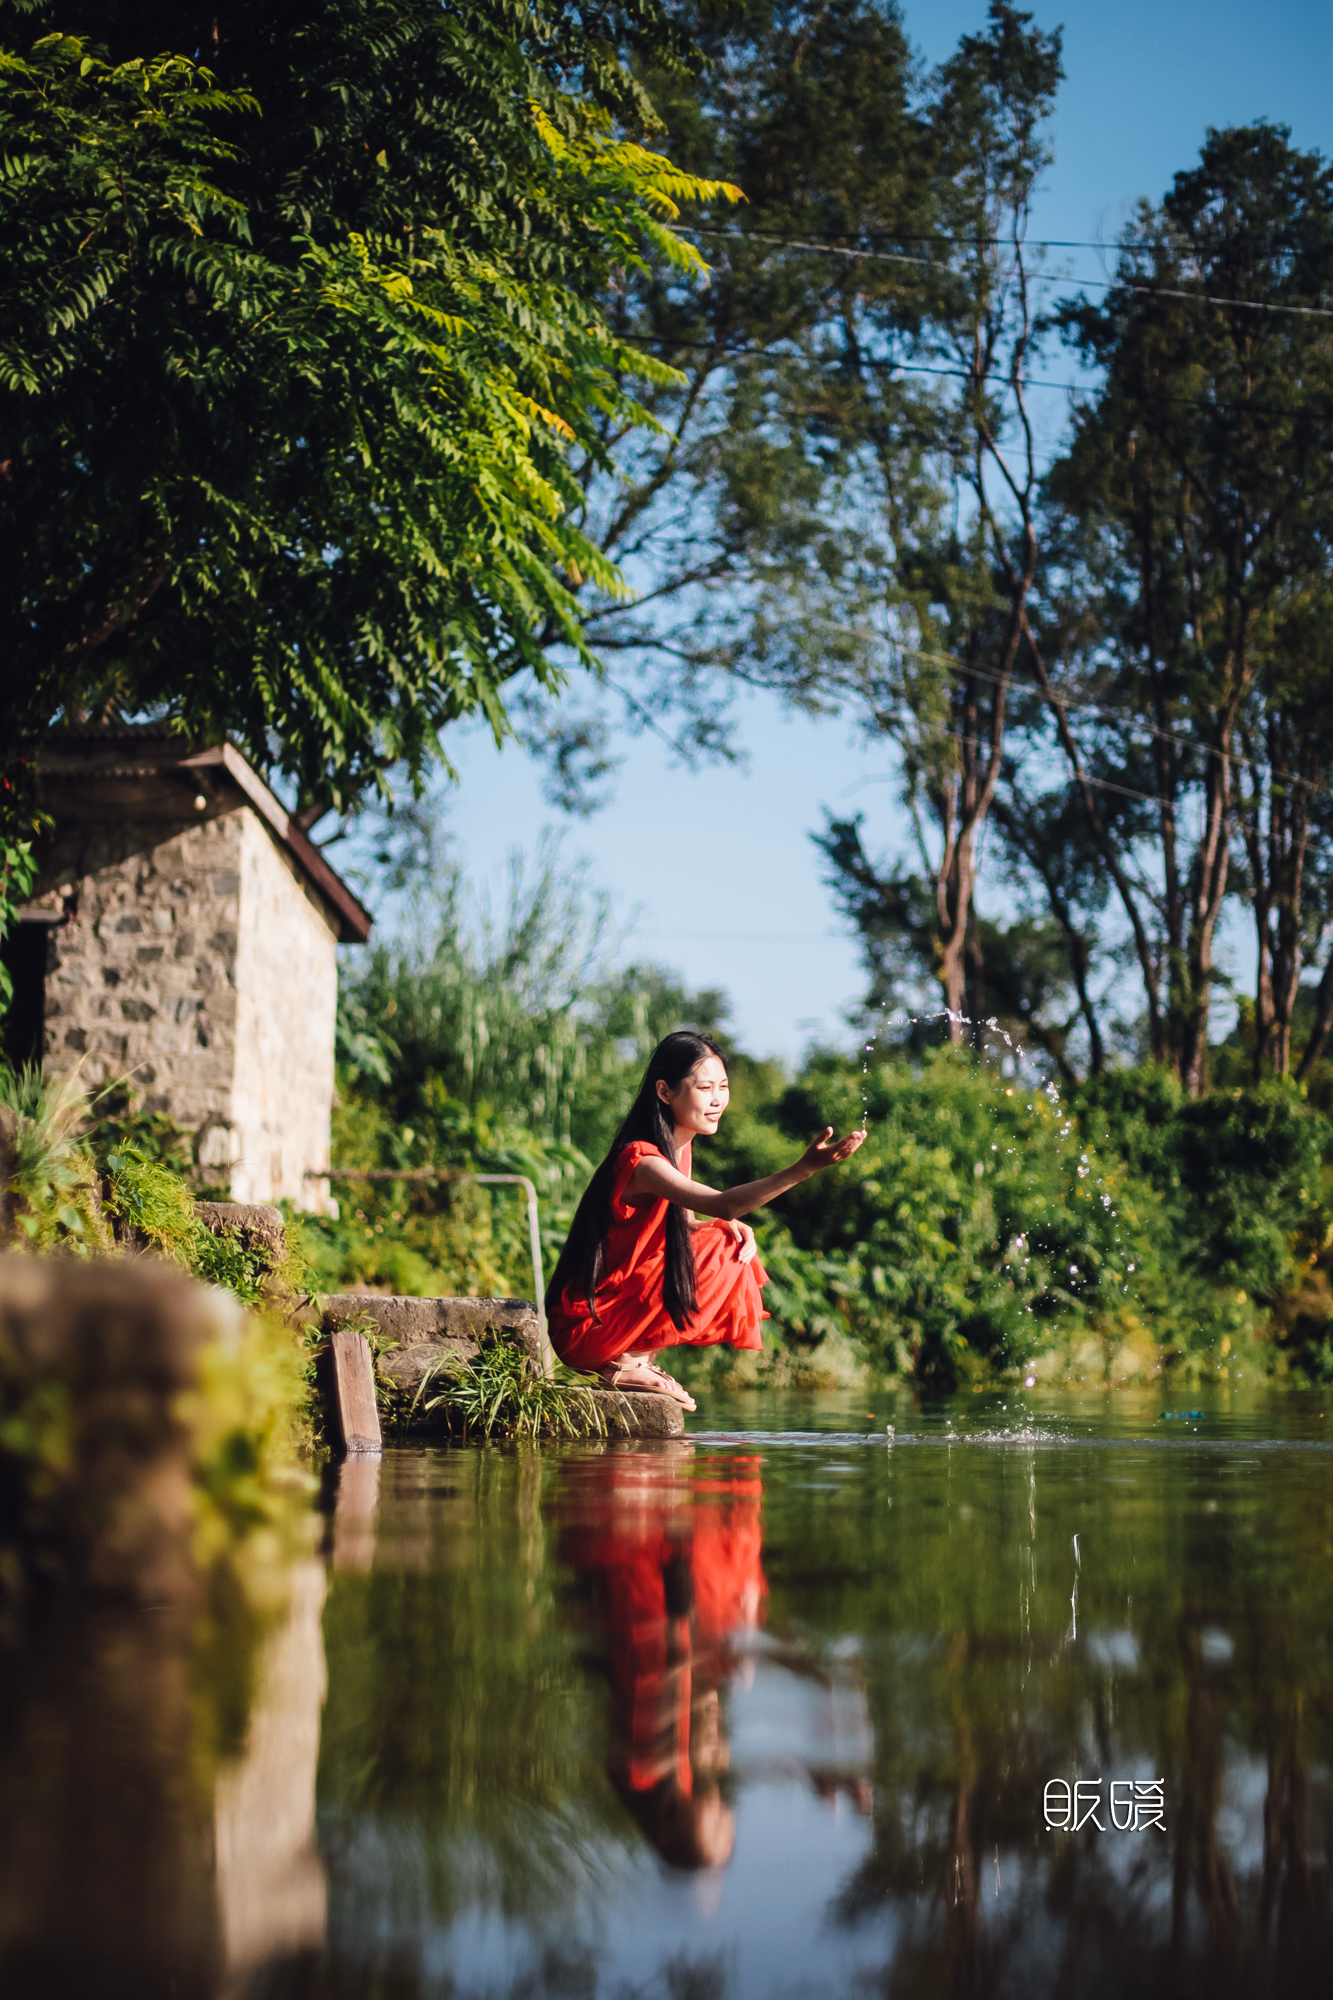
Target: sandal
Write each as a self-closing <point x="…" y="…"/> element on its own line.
<point x="635" y="1367"/>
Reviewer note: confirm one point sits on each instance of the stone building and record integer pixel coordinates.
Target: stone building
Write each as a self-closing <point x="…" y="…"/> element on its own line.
<point x="183" y="936"/>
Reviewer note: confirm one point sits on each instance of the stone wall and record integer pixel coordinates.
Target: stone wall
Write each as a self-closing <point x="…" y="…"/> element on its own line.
<point x="197" y="963"/>
<point x="141" y="981"/>
<point x="286" y="1003"/>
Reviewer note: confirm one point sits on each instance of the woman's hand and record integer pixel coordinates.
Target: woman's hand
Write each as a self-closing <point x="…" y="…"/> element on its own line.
<point x="745" y="1237"/>
<point x="826" y="1151"/>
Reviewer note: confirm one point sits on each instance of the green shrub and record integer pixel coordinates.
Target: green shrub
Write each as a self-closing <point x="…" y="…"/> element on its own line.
<point x="156" y="1209"/>
<point x="50" y="1172"/>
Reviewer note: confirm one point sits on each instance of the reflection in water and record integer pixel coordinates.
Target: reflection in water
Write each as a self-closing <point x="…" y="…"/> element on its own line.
<point x="138" y="1857"/>
<point x="669" y="1588"/>
<point x="616" y="1719"/>
<point x="106" y="1882"/>
<point x="157" y="1800"/>
<point x="270" y="1881"/>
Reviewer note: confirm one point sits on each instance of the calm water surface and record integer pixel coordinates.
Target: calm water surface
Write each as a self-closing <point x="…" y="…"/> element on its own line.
<point x="778" y="1709"/>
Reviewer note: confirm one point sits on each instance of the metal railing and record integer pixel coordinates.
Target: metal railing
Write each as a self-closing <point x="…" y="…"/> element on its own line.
<point x="447" y="1175"/>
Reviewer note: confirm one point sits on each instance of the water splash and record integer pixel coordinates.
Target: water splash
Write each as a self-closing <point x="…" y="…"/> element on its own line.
<point x="1015" y="1059"/>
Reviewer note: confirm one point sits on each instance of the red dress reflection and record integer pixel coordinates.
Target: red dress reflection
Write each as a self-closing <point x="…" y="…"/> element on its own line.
<point x="669" y="1566"/>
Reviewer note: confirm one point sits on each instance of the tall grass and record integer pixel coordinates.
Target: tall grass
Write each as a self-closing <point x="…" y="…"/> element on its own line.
<point x="501" y="1391"/>
<point x="495" y="1022"/>
<point x="50" y="1177"/>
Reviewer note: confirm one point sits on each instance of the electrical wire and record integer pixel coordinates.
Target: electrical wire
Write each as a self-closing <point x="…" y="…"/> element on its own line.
<point x="967" y="375"/>
<point x="1078" y="777"/>
<point x="824" y="249"/>
<point x="1089" y="705"/>
<point x="942" y="236"/>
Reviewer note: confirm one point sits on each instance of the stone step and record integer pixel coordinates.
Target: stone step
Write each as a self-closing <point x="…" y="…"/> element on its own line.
<point x="458" y="1323"/>
<point x="433" y="1335"/>
<point x="257" y="1226"/>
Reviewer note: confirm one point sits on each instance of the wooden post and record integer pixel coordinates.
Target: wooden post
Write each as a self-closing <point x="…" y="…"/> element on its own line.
<point x="354" y="1392"/>
<point x="354" y="1512"/>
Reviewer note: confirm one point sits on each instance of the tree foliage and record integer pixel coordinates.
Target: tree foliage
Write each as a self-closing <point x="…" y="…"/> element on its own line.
<point x="849" y="506"/>
<point x="1191" y="600"/>
<point x="300" y="325"/>
<point x="844" y="507"/>
<point x="727" y="517"/>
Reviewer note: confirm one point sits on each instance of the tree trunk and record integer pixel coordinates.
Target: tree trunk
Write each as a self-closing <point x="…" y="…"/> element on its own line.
<point x="953" y="888"/>
<point x="1289" y="950"/>
<point x="1143" y="948"/>
<point x="1314" y="1048"/>
<point x="1210" y="884"/>
<point x="1276" y="852"/>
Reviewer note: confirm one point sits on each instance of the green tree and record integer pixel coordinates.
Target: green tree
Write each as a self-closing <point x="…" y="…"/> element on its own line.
<point x="1199" y="501"/>
<point x="294" y="349"/>
<point x="962" y="551"/>
<point x="844" y="507"/>
<point x="916" y="619"/>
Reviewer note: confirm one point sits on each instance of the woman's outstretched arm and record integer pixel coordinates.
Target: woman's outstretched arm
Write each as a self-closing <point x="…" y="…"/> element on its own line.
<point x="655" y="1178"/>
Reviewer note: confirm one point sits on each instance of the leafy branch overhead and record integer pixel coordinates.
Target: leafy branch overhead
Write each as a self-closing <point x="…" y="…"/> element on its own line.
<point x="294" y="344"/>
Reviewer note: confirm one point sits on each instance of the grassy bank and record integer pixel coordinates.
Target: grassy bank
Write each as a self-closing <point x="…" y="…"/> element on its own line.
<point x="990" y="1224"/>
<point x="986" y="1226"/>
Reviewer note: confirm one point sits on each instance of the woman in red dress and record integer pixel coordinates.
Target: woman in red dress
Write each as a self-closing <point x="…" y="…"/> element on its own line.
<point x="654" y="1258"/>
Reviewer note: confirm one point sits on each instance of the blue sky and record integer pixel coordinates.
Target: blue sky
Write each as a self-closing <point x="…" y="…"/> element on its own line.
<point x="713" y="872"/>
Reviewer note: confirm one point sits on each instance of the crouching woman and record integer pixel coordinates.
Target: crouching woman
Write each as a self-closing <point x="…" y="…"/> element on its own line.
<point x="654" y="1258"/>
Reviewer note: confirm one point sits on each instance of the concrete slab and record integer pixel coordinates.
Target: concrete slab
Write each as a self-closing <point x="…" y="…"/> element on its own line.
<point x="434" y="1336"/>
<point x="461" y="1324"/>
<point x="258" y="1226"/>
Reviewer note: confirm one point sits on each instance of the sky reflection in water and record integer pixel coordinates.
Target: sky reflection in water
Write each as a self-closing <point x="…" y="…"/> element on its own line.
<point x="771" y="1713"/>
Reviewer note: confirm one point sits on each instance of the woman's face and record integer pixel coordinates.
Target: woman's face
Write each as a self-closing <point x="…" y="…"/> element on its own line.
<point x="698" y="1103"/>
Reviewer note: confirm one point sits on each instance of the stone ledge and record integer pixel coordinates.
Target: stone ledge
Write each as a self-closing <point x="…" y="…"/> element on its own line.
<point x="626" y="1412"/>
<point x="258" y="1226"/>
<point x="429" y="1332"/>
<point x="636" y="1413"/>
<point x="456" y="1323"/>
<point x="408" y="1367"/>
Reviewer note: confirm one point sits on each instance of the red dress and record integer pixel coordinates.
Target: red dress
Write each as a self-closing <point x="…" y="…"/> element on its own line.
<point x="675" y="1578"/>
<point x="630" y="1311"/>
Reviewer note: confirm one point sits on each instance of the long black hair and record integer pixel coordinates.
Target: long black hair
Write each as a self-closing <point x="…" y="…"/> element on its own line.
<point x="578" y="1269"/>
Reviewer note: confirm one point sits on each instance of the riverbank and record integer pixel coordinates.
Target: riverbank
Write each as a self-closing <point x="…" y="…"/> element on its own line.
<point x="987" y="1223"/>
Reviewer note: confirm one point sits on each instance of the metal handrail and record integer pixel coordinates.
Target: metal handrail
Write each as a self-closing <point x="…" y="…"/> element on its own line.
<point x="448" y="1174"/>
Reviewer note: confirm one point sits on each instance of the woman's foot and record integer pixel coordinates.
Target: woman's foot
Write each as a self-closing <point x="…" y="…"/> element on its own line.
<point x="639" y="1371"/>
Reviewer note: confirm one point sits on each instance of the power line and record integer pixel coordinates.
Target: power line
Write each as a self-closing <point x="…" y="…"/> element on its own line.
<point x="1077" y="777"/>
<point x="942" y="236"/>
<point x="826" y="249"/>
<point x="1090" y="705"/>
<point x="662" y="341"/>
<point x="1082" y="704"/>
<point x="748" y="937"/>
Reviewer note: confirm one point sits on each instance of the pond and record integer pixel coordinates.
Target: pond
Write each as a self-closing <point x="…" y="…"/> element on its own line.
<point x="1035" y="1697"/>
